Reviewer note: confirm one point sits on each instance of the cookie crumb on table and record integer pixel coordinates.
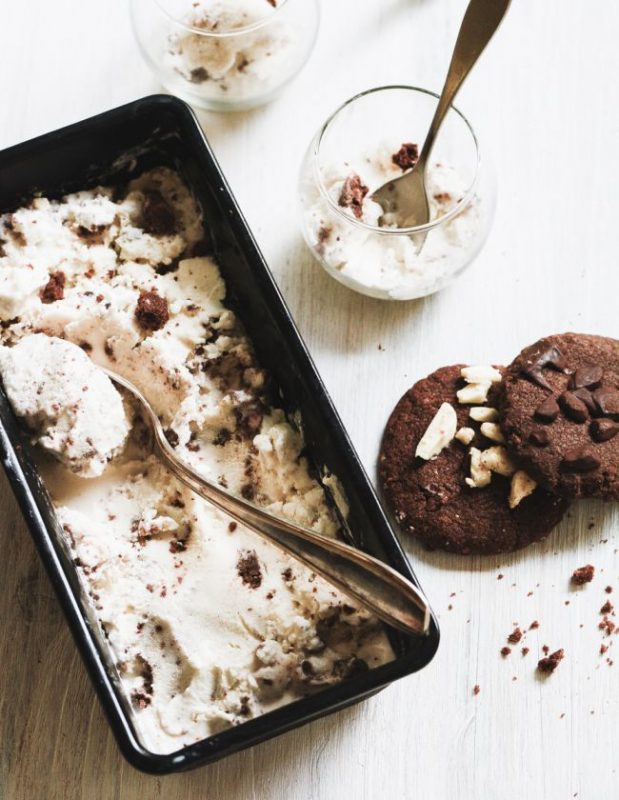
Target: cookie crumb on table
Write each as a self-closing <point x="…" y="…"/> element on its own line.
<point x="548" y="664"/>
<point x="583" y="575"/>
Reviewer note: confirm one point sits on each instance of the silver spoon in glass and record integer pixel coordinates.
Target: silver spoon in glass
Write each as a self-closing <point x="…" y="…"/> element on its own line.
<point x="374" y="585"/>
<point x="404" y="200"/>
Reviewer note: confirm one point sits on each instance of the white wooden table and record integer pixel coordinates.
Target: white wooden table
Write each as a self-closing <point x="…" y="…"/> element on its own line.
<point x="545" y="102"/>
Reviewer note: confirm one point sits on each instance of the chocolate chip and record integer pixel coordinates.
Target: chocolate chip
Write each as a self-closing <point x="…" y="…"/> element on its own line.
<point x="580" y="459"/>
<point x="539" y="437"/>
<point x="548" y="411"/>
<point x="587" y="398"/>
<point x="603" y="430"/>
<point x="588" y="376"/>
<point x="573" y="407"/>
<point x="607" y="400"/>
<point x="552" y="358"/>
<point x="352" y="194"/>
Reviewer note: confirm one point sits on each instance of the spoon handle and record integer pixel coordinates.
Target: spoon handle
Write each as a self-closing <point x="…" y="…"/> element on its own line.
<point x="481" y="20"/>
<point x="376" y="586"/>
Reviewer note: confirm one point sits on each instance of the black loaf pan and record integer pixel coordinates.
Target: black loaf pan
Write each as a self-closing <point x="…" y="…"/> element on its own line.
<point x="109" y="149"/>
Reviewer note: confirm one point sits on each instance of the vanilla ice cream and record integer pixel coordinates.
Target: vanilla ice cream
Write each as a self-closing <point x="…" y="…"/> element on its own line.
<point x="208" y="625"/>
<point x="233" y="50"/>
<point x="71" y="407"/>
<point x="387" y="263"/>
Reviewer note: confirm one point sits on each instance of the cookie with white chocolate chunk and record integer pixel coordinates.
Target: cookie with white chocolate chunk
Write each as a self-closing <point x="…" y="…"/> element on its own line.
<point x="560" y="413"/>
<point x="447" y="474"/>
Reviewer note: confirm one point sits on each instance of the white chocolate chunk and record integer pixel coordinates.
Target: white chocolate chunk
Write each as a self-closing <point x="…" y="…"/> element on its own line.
<point x="439" y="434"/>
<point x="497" y="460"/>
<point x="522" y="486"/>
<point x="481" y="374"/>
<point x="484" y="414"/>
<point x="492" y="431"/>
<point x="465" y="435"/>
<point x="480" y="474"/>
<point x="474" y="393"/>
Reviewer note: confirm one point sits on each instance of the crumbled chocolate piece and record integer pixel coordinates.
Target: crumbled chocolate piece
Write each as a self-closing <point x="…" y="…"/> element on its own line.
<point x="525" y="651"/>
<point x="603" y="430"/>
<point x="178" y="545"/>
<point x="407" y="156"/>
<point x="232" y="526"/>
<point x="548" y="411"/>
<point x="583" y="575"/>
<point x="476" y="689"/>
<point x="608" y="589"/>
<point x="222" y="438"/>
<point x="573" y="407"/>
<point x="551" y="358"/>
<point x="287" y="574"/>
<point x="505" y="651"/>
<point x="534" y="625"/>
<point x="515" y="636"/>
<point x="580" y="459"/>
<point x="588" y="376"/>
<point x="352" y="195"/>
<point x="151" y="311"/>
<point x="587" y="398"/>
<point x="140" y="699"/>
<point x="248" y="568"/>
<point x="172" y="436"/>
<point x="540" y="437"/>
<point x="158" y="217"/>
<point x="549" y="664"/>
<point x="607" y="608"/>
<point x="607" y="400"/>
<point x="54" y="288"/>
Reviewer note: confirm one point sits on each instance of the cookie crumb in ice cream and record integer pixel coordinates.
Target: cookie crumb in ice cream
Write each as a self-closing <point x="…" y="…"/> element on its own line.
<point x="534" y="625"/>
<point x="476" y="689"/>
<point x="583" y="575"/>
<point x="352" y="195"/>
<point x="407" y="156"/>
<point x="505" y="651"/>
<point x="608" y="589"/>
<point x="151" y="311"/>
<point x="548" y="664"/>
<point x="607" y="608"/>
<point x="157" y="216"/>
<point x="248" y="568"/>
<point x="172" y="436"/>
<point x="54" y="288"/>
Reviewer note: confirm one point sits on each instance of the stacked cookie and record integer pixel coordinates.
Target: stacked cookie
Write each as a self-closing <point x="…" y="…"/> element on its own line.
<point x="488" y="459"/>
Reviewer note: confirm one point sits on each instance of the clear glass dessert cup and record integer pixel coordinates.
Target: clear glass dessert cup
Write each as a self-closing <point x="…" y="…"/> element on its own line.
<point x="360" y="147"/>
<point x="225" y="55"/>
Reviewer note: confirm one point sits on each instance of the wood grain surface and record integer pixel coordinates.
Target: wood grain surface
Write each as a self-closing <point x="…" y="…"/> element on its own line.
<point x="544" y="102"/>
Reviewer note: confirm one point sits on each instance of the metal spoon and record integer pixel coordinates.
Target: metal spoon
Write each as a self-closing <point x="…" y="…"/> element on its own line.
<point x="404" y="200"/>
<point x="378" y="587"/>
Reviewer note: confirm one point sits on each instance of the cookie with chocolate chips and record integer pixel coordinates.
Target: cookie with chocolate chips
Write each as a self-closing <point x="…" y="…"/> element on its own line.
<point x="560" y="414"/>
<point x="447" y="475"/>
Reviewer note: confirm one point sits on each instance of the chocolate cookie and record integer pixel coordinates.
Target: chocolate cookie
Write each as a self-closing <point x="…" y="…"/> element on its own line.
<point x="560" y="414"/>
<point x="458" y="499"/>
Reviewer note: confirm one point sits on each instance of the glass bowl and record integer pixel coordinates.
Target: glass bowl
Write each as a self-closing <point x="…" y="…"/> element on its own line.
<point x="225" y="55"/>
<point x="367" y="141"/>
